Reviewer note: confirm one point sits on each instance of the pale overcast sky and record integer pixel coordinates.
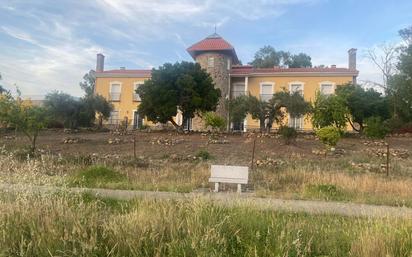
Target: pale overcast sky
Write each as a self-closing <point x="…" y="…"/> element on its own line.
<point x="48" y="45"/>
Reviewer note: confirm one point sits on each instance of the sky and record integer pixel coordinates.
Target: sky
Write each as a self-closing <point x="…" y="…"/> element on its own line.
<point x="48" y="45"/>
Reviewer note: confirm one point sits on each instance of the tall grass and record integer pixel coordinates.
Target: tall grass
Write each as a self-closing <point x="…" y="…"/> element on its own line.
<point x="297" y="178"/>
<point x="62" y="225"/>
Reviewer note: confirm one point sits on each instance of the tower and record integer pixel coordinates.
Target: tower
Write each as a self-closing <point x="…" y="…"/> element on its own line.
<point x="216" y="56"/>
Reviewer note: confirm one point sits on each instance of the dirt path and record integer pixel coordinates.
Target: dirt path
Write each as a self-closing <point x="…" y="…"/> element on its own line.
<point x="233" y="199"/>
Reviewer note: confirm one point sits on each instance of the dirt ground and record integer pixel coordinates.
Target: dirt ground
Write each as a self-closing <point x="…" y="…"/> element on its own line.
<point x="230" y="149"/>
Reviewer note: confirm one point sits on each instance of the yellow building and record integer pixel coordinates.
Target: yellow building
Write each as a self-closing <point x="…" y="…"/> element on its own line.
<point x="219" y="59"/>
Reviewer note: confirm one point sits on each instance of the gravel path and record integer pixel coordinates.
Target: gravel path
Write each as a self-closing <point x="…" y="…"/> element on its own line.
<point x="234" y="199"/>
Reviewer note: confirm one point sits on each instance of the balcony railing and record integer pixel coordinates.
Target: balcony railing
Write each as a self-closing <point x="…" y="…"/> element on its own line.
<point x="266" y="97"/>
<point x="114" y="97"/>
<point x="136" y="98"/>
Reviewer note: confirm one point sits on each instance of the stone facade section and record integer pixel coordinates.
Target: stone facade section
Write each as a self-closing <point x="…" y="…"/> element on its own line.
<point x="220" y="74"/>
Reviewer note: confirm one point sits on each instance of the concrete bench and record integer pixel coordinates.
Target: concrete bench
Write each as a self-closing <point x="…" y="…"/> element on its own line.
<point x="229" y="174"/>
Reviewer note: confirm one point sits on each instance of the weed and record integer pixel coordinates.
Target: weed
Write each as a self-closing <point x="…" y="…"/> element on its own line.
<point x="96" y="176"/>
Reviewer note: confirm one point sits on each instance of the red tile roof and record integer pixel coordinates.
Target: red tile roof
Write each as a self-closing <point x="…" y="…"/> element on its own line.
<point x="213" y="42"/>
<point x="247" y="69"/>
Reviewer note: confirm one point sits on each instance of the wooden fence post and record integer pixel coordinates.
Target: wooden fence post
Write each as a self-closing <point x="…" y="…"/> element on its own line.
<point x="387" y="159"/>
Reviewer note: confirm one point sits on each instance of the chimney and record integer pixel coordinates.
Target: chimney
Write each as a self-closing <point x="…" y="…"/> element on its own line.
<point x="100" y="63"/>
<point x="352" y="58"/>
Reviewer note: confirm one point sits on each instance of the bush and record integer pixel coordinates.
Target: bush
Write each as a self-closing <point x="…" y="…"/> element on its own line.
<point x="328" y="135"/>
<point x="376" y="128"/>
<point x="96" y="176"/>
<point x="213" y="120"/>
<point x="204" y="154"/>
<point x="288" y="134"/>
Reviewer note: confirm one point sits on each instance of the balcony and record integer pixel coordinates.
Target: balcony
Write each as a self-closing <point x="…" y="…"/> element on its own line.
<point x="266" y="97"/>
<point x="136" y="98"/>
<point x="114" y="97"/>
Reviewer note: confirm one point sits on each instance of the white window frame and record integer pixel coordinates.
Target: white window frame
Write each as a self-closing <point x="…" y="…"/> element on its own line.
<point x="136" y="84"/>
<point x="266" y="83"/>
<point x="300" y="121"/>
<point x="297" y="83"/>
<point x="112" y="83"/>
<point x="327" y="83"/>
<point x="133" y="124"/>
<point x="210" y="62"/>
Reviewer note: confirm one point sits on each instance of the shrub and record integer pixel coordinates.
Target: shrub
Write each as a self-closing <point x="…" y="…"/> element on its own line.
<point x="328" y="135"/>
<point x="376" y="128"/>
<point x="204" y="154"/>
<point x="96" y="176"/>
<point x="288" y="134"/>
<point x="325" y="192"/>
<point x="213" y="120"/>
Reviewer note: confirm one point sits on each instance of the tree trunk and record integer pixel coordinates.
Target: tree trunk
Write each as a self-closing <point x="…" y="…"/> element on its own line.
<point x="262" y="125"/>
<point x="179" y="129"/>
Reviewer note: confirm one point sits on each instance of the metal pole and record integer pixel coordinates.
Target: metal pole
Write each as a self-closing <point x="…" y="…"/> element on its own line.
<point x="134" y="146"/>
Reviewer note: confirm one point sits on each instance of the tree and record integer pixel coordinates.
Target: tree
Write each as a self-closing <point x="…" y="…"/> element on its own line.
<point x="329" y="111"/>
<point x="2" y="89"/>
<point x="268" y="57"/>
<point x="25" y="118"/>
<point x="262" y="111"/>
<point x="383" y="57"/>
<point x="362" y="104"/>
<point x="238" y="108"/>
<point x="214" y="121"/>
<point x="88" y="83"/>
<point x="268" y="112"/>
<point x="92" y="105"/>
<point x="181" y="86"/>
<point x="301" y="60"/>
<point x="400" y="84"/>
<point x="73" y="112"/>
<point x="63" y="108"/>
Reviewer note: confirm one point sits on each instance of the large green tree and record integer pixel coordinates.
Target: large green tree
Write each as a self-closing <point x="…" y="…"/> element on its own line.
<point x="268" y="57"/>
<point x="25" y="118"/>
<point x="329" y="110"/>
<point x="183" y="86"/>
<point x="268" y="112"/>
<point x="63" y="108"/>
<point x="362" y="104"/>
<point x="400" y="84"/>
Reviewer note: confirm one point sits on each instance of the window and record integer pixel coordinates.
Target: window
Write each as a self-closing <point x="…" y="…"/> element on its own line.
<point x="228" y="64"/>
<point x="295" y="87"/>
<point x="114" y="117"/>
<point x="266" y="91"/>
<point x="326" y="89"/>
<point x="115" y="90"/>
<point x="238" y="89"/>
<point x="210" y="62"/>
<point x="136" y="96"/>
<point x="137" y="120"/>
<point x="296" y="122"/>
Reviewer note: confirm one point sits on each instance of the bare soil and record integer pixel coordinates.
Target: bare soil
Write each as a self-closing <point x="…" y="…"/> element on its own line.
<point x="231" y="149"/>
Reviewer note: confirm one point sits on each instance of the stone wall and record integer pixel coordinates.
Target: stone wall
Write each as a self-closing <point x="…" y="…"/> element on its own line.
<point x="220" y="75"/>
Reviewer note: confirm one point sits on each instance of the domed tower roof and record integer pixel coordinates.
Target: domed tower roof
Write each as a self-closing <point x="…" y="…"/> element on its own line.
<point x="213" y="43"/>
